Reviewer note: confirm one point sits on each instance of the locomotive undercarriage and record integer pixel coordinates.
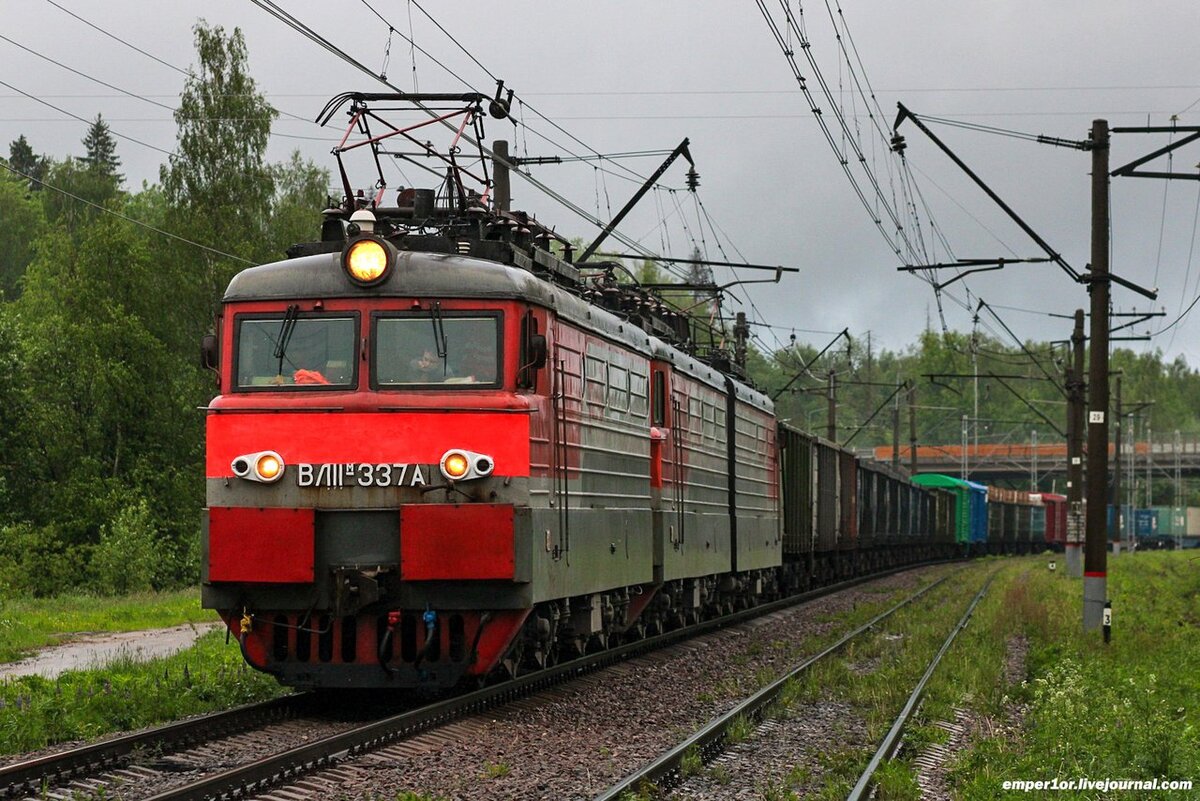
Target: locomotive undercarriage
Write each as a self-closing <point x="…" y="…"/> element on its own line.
<point x="427" y="648"/>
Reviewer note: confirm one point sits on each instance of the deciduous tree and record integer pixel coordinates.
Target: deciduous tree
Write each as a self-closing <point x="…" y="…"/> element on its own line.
<point x="217" y="185"/>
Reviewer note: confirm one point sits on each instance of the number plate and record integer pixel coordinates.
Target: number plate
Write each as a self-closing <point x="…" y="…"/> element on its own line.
<point x="363" y="474"/>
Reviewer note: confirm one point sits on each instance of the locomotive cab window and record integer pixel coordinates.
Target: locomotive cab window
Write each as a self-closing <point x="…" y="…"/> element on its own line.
<point x="447" y="349"/>
<point x="292" y="351"/>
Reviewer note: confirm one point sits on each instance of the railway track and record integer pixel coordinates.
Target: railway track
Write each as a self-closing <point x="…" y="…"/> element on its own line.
<point x="96" y="770"/>
<point x="891" y="741"/>
<point x="86" y="762"/>
<point x="707" y="743"/>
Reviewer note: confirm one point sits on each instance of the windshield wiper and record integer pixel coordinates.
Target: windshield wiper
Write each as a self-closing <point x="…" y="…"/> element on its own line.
<point x="439" y="334"/>
<point x="286" y="327"/>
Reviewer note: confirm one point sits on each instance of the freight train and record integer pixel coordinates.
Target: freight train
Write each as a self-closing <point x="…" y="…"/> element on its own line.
<point x="442" y="450"/>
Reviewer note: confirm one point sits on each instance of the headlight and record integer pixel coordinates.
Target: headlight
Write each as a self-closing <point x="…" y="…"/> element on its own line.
<point x="461" y="465"/>
<point x="265" y="467"/>
<point x="367" y="260"/>
<point x="268" y="467"/>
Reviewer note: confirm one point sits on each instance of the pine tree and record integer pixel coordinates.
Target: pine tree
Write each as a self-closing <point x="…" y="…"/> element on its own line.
<point x="22" y="159"/>
<point x="102" y="150"/>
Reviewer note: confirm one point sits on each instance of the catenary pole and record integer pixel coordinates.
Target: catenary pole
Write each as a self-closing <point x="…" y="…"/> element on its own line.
<point x="1095" y="552"/>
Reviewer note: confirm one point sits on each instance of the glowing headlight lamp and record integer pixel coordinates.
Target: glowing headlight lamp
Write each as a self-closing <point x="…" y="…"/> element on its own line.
<point x="265" y="467"/>
<point x="461" y="465"/>
<point x="368" y="260"/>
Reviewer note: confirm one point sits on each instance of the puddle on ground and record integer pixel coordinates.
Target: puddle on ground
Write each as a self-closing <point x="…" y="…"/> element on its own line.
<point x="86" y="651"/>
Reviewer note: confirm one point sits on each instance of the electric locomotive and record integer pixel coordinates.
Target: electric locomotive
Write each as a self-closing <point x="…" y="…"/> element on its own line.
<point x="435" y="454"/>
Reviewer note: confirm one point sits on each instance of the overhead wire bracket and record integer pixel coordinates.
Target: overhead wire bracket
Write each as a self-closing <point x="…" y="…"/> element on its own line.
<point x="976" y="265"/>
<point x="680" y="150"/>
<point x="1130" y="170"/>
<point x="904" y="114"/>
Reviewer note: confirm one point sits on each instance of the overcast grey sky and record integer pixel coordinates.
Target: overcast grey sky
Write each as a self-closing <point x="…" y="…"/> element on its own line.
<point x="625" y="76"/>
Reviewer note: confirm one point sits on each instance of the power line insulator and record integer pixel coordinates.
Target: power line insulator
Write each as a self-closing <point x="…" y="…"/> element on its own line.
<point x="501" y="105"/>
<point x="898" y="144"/>
<point x="693" y="179"/>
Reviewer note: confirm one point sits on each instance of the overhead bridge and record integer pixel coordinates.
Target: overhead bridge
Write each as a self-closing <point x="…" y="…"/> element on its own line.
<point x="1011" y="462"/>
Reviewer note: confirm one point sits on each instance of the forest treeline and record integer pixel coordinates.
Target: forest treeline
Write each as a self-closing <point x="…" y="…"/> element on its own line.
<point x="106" y="290"/>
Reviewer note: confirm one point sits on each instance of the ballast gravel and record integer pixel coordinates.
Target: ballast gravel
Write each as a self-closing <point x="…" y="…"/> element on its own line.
<point x="575" y="740"/>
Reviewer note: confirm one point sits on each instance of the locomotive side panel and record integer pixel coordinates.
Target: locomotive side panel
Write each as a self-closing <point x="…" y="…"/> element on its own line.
<point x="676" y="554"/>
<point x="590" y="512"/>
<point x="699" y="475"/>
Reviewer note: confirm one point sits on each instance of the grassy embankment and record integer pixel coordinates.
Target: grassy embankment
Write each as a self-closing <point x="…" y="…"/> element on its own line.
<point x="28" y="624"/>
<point x="124" y="694"/>
<point x="1127" y="710"/>
<point x="127" y="694"/>
<point x="1041" y="699"/>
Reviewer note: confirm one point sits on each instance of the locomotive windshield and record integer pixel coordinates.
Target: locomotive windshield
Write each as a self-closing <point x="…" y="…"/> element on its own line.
<point x="295" y="351"/>
<point x="423" y="350"/>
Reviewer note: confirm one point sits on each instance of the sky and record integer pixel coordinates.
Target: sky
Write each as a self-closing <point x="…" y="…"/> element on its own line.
<point x="615" y="77"/>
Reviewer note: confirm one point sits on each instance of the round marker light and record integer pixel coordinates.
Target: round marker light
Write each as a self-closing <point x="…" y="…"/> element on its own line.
<point x="455" y="465"/>
<point x="367" y="261"/>
<point x="268" y="467"/>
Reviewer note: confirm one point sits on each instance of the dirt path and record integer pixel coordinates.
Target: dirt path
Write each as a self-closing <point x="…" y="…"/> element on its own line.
<point x="94" y="650"/>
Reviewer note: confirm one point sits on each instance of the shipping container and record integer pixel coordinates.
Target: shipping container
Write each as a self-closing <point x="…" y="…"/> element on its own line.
<point x="970" y="507"/>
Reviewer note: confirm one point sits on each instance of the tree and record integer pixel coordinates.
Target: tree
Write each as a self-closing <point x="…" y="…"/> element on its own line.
<point x="22" y="159"/>
<point x="102" y="151"/>
<point x="23" y="221"/>
<point x="78" y="182"/>
<point x="301" y="192"/>
<point x="217" y="186"/>
<point x="101" y="416"/>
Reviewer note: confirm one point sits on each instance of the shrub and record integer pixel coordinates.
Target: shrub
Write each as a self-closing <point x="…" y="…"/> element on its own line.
<point x="128" y="558"/>
<point x="34" y="560"/>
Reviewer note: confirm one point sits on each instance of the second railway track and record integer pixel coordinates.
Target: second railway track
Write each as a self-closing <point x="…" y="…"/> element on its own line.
<point x="705" y="744"/>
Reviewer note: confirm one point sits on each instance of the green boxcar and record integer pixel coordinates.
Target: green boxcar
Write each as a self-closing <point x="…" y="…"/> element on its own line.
<point x="962" y="502"/>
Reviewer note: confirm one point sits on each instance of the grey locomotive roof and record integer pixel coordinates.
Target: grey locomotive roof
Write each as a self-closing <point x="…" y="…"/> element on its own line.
<point x="418" y="274"/>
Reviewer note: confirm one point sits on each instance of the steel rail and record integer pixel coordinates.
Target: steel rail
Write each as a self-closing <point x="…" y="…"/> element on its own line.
<point x="28" y="776"/>
<point x="891" y="741"/>
<point x="272" y="770"/>
<point x="710" y="740"/>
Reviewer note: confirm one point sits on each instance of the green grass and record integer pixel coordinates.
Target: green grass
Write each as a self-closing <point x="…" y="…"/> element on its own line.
<point x="1127" y="710"/>
<point x="127" y="694"/>
<point x="29" y="624"/>
<point x="740" y="728"/>
<point x="691" y="764"/>
<point x="874" y="675"/>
